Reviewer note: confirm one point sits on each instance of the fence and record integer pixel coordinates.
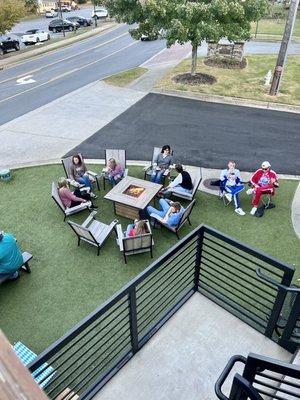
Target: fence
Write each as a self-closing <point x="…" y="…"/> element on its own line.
<point x="206" y="261"/>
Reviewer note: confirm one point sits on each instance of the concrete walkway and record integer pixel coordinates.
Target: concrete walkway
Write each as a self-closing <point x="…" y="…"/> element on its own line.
<point x="186" y="356"/>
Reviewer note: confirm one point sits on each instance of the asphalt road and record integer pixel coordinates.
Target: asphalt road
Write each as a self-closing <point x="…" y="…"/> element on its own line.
<point x="202" y="133"/>
<point x="60" y="72"/>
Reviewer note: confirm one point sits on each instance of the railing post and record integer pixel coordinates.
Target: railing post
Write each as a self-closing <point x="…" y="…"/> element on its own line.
<point x="285" y="339"/>
<point x="278" y="304"/>
<point x="133" y="320"/>
<point x="198" y="258"/>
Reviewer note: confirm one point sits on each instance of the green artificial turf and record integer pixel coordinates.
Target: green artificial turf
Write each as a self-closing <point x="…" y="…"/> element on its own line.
<point x="68" y="282"/>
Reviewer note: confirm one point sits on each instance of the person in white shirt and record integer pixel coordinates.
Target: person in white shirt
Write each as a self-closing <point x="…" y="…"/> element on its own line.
<point x="231" y="184"/>
<point x="182" y="183"/>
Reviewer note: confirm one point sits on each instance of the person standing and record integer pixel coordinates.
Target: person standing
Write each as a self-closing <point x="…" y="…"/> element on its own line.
<point x="11" y="258"/>
<point x="231" y="184"/>
<point x="264" y="181"/>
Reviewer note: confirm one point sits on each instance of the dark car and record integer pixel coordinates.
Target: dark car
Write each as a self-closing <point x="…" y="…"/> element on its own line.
<point x="81" y="20"/>
<point x="8" y="43"/>
<point x="57" y="25"/>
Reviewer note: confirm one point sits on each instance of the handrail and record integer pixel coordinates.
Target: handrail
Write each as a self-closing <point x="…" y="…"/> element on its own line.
<point x="224" y="375"/>
<point x="241" y="388"/>
<point x="261" y="275"/>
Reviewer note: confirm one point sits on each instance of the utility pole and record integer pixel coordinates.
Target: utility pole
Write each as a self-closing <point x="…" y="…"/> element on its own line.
<point x="62" y="20"/>
<point x="277" y="76"/>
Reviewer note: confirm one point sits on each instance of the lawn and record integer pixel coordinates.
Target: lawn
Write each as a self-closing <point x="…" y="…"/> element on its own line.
<point x="68" y="282"/>
<point x="247" y="83"/>
<point x="274" y="27"/>
<point x="125" y="78"/>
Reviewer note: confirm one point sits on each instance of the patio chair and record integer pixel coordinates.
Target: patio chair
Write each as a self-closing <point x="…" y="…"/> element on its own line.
<point x="119" y="156"/>
<point x="148" y="170"/>
<point x="65" y="210"/>
<point x="196" y="180"/>
<point x="135" y="244"/>
<point x="92" y="231"/>
<point x="184" y="218"/>
<point x="67" y="163"/>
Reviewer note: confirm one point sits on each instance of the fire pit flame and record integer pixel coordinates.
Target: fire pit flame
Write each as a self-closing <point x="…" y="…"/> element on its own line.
<point x="134" y="191"/>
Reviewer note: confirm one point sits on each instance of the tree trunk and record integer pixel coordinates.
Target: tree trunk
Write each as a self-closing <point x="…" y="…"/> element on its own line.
<point x="194" y="59"/>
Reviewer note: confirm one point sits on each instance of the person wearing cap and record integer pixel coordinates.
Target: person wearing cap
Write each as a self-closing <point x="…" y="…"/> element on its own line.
<point x="263" y="181"/>
<point x="11" y="258"/>
<point x="231" y="184"/>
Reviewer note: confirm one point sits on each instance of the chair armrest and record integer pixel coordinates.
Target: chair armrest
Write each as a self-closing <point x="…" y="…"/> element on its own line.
<point x="120" y="236"/>
<point x="89" y="219"/>
<point x="167" y="171"/>
<point x="81" y="206"/>
<point x="158" y="218"/>
<point x="104" y="169"/>
<point x="146" y="168"/>
<point x="94" y="174"/>
<point x="74" y="183"/>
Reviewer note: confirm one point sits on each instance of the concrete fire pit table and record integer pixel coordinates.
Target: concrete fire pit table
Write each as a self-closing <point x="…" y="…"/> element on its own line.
<point x="132" y="195"/>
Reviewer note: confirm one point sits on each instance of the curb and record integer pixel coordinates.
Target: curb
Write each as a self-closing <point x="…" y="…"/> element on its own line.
<point x="230" y="100"/>
<point x="19" y="58"/>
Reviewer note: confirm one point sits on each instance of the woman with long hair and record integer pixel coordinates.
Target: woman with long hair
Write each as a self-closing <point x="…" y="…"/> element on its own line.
<point x="78" y="172"/>
<point x="115" y="171"/>
<point x="72" y="199"/>
<point x="161" y="163"/>
<point x="140" y="227"/>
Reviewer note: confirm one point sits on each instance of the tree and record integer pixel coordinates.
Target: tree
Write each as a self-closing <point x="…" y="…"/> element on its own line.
<point x="10" y="13"/>
<point x="190" y="21"/>
<point x="31" y="6"/>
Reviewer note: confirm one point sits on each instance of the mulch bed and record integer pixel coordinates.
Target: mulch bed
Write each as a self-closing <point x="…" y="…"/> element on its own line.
<point x="197" y="79"/>
<point x="225" y="63"/>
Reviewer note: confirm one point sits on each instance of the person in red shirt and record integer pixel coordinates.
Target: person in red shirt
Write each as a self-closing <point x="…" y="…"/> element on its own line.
<point x="264" y="180"/>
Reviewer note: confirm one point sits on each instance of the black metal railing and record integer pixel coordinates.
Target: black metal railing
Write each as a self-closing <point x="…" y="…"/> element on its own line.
<point x="206" y="261"/>
<point x="261" y="376"/>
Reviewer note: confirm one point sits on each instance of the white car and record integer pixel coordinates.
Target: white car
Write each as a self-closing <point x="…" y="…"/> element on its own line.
<point x="100" y="13"/>
<point x="35" y="36"/>
<point x="51" y="14"/>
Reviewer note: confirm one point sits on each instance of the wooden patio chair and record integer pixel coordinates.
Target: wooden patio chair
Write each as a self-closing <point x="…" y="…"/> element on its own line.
<point x="68" y="211"/>
<point x="120" y="157"/>
<point x="67" y="163"/>
<point x="135" y="244"/>
<point x="196" y="180"/>
<point x="92" y="231"/>
<point x="185" y="217"/>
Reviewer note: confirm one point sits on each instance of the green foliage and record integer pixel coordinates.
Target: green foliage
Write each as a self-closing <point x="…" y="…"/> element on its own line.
<point x="276" y="11"/>
<point x="31" y="6"/>
<point x="82" y="1"/>
<point x="10" y="12"/>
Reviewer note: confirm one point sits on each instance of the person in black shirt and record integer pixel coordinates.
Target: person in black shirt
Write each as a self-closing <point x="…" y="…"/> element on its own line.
<point x="181" y="184"/>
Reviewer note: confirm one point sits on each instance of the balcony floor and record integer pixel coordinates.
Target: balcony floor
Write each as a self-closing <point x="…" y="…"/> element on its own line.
<point x="185" y="357"/>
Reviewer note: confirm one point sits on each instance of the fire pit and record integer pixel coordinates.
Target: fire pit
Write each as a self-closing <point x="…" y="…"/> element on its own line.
<point x="134" y="191"/>
<point x="132" y="195"/>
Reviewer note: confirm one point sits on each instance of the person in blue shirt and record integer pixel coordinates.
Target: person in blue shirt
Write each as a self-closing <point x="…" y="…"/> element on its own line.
<point x="231" y="185"/>
<point x="11" y="258"/>
<point x="170" y="212"/>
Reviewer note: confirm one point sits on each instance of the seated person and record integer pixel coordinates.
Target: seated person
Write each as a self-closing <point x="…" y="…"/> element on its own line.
<point x="72" y="199"/>
<point x="11" y="258"/>
<point x="264" y="180"/>
<point x="170" y="212"/>
<point x="78" y="172"/>
<point x="139" y="227"/>
<point x="231" y="183"/>
<point x="114" y="171"/>
<point x="161" y="163"/>
<point x="182" y="183"/>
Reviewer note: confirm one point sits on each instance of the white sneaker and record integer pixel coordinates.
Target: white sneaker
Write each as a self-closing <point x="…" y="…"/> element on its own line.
<point x="228" y="197"/>
<point x="253" y="211"/>
<point x="250" y="191"/>
<point x="239" y="211"/>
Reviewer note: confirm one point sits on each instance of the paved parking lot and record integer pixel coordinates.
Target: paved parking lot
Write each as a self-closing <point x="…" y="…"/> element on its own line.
<point x="202" y="133"/>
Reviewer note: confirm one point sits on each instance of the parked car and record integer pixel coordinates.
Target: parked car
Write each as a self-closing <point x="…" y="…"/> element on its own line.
<point x="51" y="14"/>
<point x="81" y="20"/>
<point x="66" y="8"/>
<point x="57" y="25"/>
<point x="35" y="36"/>
<point x="7" y="43"/>
<point x="153" y="35"/>
<point x="100" y="13"/>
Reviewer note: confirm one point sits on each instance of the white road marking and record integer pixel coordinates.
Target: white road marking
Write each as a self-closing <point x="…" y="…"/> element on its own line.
<point x="69" y="72"/>
<point x="66" y="58"/>
<point x="25" y="80"/>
